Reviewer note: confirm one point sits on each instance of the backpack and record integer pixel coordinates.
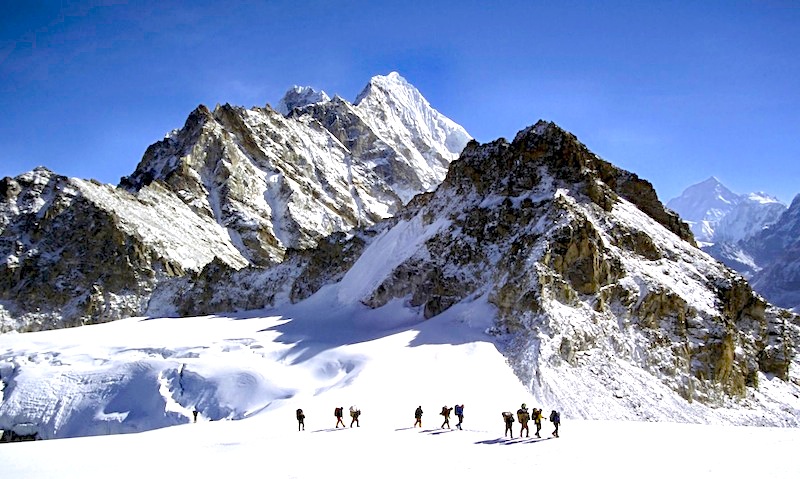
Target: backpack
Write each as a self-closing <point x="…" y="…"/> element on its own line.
<point x="300" y="414"/>
<point x="523" y="416"/>
<point x="508" y="417"/>
<point x="337" y="412"/>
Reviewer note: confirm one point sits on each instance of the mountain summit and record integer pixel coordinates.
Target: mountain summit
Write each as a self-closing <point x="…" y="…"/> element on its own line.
<point x="300" y="96"/>
<point x="747" y="233"/>
<point x="716" y="214"/>
<point x="247" y="184"/>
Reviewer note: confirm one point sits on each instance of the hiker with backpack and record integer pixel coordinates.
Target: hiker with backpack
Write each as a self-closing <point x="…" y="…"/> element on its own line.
<point x="301" y="420"/>
<point x="508" y="419"/>
<point x="418" y="417"/>
<point x="354" y="413"/>
<point x="537" y="419"/>
<point x="459" y="415"/>
<point x="446" y="413"/>
<point x="555" y="418"/>
<point x="338" y="413"/>
<point x="523" y="417"/>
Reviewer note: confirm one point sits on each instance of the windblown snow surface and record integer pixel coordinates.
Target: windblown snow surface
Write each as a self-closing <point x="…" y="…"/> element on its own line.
<point x="138" y="374"/>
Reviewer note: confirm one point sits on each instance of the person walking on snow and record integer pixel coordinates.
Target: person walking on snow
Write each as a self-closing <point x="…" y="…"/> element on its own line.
<point x="418" y="417"/>
<point x="537" y="419"/>
<point x="446" y="413"/>
<point x="354" y="413"/>
<point x="301" y="420"/>
<point x="555" y="418"/>
<point x="508" y="419"/>
<point x="338" y="412"/>
<point x="523" y="417"/>
<point x="459" y="415"/>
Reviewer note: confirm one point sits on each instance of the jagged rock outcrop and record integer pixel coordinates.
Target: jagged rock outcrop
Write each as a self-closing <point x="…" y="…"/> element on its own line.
<point x="77" y="252"/>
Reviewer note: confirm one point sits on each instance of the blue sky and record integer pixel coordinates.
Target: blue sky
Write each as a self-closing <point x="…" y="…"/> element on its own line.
<point x="673" y="91"/>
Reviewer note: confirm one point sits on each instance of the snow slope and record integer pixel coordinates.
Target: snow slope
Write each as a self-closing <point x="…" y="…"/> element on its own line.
<point x="138" y="374"/>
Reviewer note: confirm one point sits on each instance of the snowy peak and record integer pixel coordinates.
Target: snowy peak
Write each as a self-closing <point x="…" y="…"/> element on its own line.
<point x="715" y="213"/>
<point x="750" y="233"/>
<point x="401" y="115"/>
<point x="393" y="131"/>
<point x="298" y="97"/>
<point x="753" y="213"/>
<point x="393" y="97"/>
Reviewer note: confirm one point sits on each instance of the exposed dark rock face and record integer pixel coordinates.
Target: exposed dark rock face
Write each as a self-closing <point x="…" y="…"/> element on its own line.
<point x="65" y="253"/>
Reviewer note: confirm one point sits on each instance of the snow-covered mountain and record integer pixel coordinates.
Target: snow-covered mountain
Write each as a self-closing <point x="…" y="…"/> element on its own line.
<point x="777" y="248"/>
<point x="300" y="96"/>
<point x="535" y="270"/>
<point x="234" y="186"/>
<point x="395" y="131"/>
<point x="716" y="214"/>
<point x="753" y="234"/>
<point x="594" y="283"/>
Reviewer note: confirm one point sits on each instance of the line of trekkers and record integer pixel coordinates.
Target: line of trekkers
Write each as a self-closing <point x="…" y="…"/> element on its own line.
<point x="523" y="416"/>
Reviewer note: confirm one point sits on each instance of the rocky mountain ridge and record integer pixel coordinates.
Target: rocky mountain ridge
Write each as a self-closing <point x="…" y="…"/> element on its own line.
<point x="595" y="284"/>
<point x="248" y="185"/>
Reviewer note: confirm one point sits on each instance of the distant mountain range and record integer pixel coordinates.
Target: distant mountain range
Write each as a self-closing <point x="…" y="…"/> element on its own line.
<point x="755" y="234"/>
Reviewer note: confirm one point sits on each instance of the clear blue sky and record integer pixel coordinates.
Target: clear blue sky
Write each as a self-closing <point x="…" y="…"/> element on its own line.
<point x="673" y="91"/>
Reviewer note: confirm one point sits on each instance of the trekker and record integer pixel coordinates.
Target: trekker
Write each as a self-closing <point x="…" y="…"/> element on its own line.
<point x="301" y="420"/>
<point x="354" y="413"/>
<point x="555" y="418"/>
<point x="446" y="413"/>
<point x="508" y="418"/>
<point x="338" y="412"/>
<point x="523" y="416"/>
<point x="537" y="419"/>
<point x="418" y="417"/>
<point x="459" y="415"/>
